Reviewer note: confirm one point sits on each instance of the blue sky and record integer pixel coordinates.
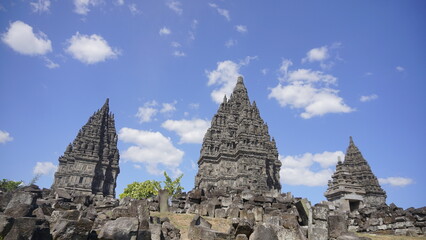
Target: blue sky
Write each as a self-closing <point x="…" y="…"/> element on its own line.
<point x="319" y="71"/>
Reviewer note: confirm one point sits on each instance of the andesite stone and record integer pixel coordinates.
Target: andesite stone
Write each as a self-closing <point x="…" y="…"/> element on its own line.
<point x="237" y="151"/>
<point x="90" y="164"/>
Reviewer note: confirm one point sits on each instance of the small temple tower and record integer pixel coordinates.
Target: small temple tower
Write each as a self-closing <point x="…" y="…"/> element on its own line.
<point x="90" y="164"/>
<point x="354" y="185"/>
<point x="237" y="151"/>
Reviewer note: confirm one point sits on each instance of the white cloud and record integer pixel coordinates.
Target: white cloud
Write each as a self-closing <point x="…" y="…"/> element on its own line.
<point x="194" y="24"/>
<point x="164" y="31"/>
<point x="175" y="44"/>
<point x="137" y="166"/>
<point x="189" y="131"/>
<point x="176" y="6"/>
<point x="241" y="28"/>
<point x="316" y="54"/>
<point x="5" y="137"/>
<point x="90" y="49"/>
<point x="399" y="69"/>
<point x="44" y="168"/>
<point x="168" y="107"/>
<point x="179" y="54"/>
<point x="368" y="98"/>
<point x="50" y="64"/>
<point x="120" y="2"/>
<point x="264" y="71"/>
<point x="225" y="76"/>
<point x="221" y="11"/>
<point x="194" y="105"/>
<point x="147" y="112"/>
<point x="21" y="38"/>
<point x="309" y="90"/>
<point x="133" y="8"/>
<point x="40" y="6"/>
<point x="396" y="181"/>
<point x="152" y="149"/>
<point x="302" y="165"/>
<point x="82" y="6"/>
<point x="231" y="42"/>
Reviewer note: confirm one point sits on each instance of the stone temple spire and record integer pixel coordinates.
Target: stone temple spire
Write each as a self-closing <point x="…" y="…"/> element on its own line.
<point x="238" y="152"/>
<point x="354" y="185"/>
<point x="90" y="164"/>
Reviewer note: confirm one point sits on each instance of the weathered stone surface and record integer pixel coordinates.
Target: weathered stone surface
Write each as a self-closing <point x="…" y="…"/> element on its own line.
<point x="5" y="225"/>
<point x="71" y="229"/>
<point x="200" y="229"/>
<point x="123" y="228"/>
<point x="262" y="232"/>
<point x="220" y="213"/>
<point x="354" y="185"/>
<point x="22" y="204"/>
<point x="163" y="200"/>
<point x="238" y="152"/>
<point x="320" y="212"/>
<point x="90" y="164"/>
<point x="337" y="226"/>
<point x="29" y="228"/>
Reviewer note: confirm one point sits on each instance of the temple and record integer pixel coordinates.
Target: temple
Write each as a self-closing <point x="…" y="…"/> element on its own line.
<point x="237" y="151"/>
<point x="90" y="164"/>
<point x="354" y="185"/>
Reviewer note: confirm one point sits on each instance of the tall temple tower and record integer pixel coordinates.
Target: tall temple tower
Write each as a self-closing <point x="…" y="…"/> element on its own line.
<point x="237" y="151"/>
<point x="90" y="164"/>
<point x="354" y="185"/>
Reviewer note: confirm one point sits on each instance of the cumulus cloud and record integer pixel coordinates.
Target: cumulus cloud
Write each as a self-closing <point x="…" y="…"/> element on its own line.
<point x="316" y="54"/>
<point x="225" y="76"/>
<point x="152" y="149"/>
<point x="40" y="6"/>
<point x="241" y="28"/>
<point x="303" y="165"/>
<point x="308" y="90"/>
<point x="189" y="131"/>
<point x="176" y="6"/>
<point x="168" y="107"/>
<point x="82" y="6"/>
<point x="5" y="137"/>
<point x="21" y="38"/>
<point x="221" y="11"/>
<point x="178" y="53"/>
<point x="399" y="69"/>
<point x="90" y="49"/>
<point x="396" y="181"/>
<point x="164" y="31"/>
<point x="368" y="98"/>
<point x="147" y="112"/>
<point x="44" y="168"/>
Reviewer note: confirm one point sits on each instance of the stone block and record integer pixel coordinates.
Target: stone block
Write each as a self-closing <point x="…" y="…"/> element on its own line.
<point x="336" y="226"/>
<point x="220" y="213"/>
<point x="22" y="204"/>
<point x="29" y="228"/>
<point x="262" y="232"/>
<point x="5" y="225"/>
<point x="233" y="212"/>
<point x="70" y="229"/>
<point x="319" y="234"/>
<point x="123" y="228"/>
<point x="258" y="214"/>
<point x="320" y="212"/>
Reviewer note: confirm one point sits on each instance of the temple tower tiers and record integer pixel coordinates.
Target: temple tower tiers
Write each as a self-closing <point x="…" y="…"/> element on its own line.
<point x="237" y="152"/>
<point x="354" y="185"/>
<point x="90" y="164"/>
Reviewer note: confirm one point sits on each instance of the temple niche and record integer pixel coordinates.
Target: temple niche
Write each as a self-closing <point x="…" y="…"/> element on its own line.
<point x="237" y="152"/>
<point x="354" y="185"/>
<point x="90" y="164"/>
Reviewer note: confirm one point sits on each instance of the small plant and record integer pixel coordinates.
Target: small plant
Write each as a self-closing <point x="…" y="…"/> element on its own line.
<point x="149" y="188"/>
<point x="9" y="185"/>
